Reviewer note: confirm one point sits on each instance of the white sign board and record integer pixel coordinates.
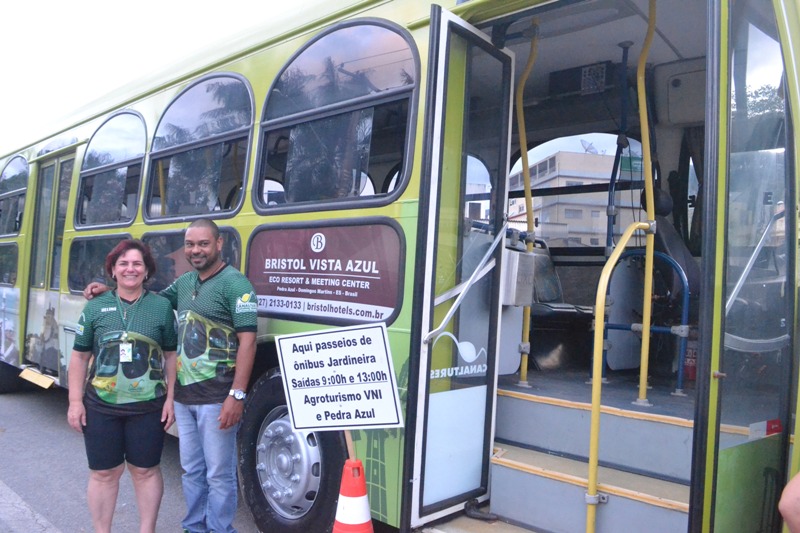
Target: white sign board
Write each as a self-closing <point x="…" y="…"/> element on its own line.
<point x="340" y="379"/>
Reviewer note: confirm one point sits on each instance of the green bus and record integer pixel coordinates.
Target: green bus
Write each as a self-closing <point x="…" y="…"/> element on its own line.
<point x="573" y="218"/>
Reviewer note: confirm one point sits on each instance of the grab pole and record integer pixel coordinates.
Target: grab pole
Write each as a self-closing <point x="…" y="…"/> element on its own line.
<point x="647" y="162"/>
<point x="592" y="498"/>
<point x="525" y="345"/>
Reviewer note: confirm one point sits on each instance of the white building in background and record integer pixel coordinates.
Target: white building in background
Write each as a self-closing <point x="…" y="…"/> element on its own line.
<point x="579" y="218"/>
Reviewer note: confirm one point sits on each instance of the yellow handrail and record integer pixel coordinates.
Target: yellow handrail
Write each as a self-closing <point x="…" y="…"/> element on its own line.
<point x="649" y="206"/>
<point x="526" y="175"/>
<point x="597" y="370"/>
<point x="592" y="498"/>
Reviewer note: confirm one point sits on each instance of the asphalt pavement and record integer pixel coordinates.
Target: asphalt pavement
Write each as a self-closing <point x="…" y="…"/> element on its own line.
<point x="43" y="473"/>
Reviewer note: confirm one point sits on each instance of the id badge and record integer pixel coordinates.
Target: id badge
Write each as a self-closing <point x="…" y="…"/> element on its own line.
<point x="125" y="352"/>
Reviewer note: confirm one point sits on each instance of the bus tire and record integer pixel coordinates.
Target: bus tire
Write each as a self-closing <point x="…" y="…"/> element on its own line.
<point x="289" y="480"/>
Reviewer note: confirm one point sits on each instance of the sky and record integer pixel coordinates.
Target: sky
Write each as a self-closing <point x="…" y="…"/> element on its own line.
<point x="42" y="59"/>
<point x="599" y="143"/>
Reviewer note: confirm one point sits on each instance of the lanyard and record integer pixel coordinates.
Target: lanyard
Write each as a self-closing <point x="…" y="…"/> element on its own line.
<point x="123" y="315"/>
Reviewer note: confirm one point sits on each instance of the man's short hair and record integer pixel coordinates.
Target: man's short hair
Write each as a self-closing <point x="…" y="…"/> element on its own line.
<point x="206" y="223"/>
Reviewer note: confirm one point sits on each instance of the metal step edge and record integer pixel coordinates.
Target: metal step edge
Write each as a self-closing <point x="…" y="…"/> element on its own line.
<point x="667" y="494"/>
<point x="605" y="409"/>
<point x="615" y="411"/>
<point x="464" y="524"/>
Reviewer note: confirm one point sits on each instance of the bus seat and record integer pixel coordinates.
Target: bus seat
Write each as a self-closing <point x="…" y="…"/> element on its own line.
<point x="560" y="332"/>
<point x="669" y="242"/>
<point x="548" y="298"/>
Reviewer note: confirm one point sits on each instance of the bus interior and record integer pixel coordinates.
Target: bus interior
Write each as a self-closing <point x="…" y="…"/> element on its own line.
<point x="584" y="134"/>
<point x="583" y="130"/>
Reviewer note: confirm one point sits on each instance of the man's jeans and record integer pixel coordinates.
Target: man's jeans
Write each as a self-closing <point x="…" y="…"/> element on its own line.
<point x="208" y="458"/>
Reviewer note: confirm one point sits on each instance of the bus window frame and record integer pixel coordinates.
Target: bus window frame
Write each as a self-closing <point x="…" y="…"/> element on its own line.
<point x="96" y="171"/>
<point x="408" y="93"/>
<point x="21" y="191"/>
<point x="244" y="134"/>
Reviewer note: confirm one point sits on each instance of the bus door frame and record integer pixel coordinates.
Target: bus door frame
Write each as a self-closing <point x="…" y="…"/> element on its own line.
<point x="444" y="27"/>
<point x="720" y="469"/>
<point x="42" y="317"/>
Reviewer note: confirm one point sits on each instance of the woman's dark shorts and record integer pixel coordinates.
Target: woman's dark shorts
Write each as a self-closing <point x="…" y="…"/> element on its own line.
<point x="113" y="439"/>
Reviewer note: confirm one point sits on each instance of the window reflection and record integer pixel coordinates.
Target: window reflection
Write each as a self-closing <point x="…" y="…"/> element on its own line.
<point x="170" y="258"/>
<point x="207" y="175"/>
<point x="335" y="147"/>
<point x="342" y="65"/>
<point x="87" y="259"/>
<point x="479" y="190"/>
<point x="109" y="197"/>
<point x="215" y="106"/>
<point x="13" y="184"/>
<point x="122" y="138"/>
<point x="64" y="182"/>
<point x="198" y="181"/>
<point x="758" y="305"/>
<point x="356" y="152"/>
<point x="8" y="264"/>
<point x="107" y="194"/>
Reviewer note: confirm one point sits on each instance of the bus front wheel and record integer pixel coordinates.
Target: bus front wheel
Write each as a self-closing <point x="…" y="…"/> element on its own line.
<point x="289" y="479"/>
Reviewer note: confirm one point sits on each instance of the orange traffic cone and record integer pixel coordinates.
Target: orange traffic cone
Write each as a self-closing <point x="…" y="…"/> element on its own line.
<point x="352" y="511"/>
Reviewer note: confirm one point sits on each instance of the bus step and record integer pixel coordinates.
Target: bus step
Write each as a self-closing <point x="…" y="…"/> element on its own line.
<point x="36" y="377"/>
<point x="655" y="445"/>
<point x="547" y="492"/>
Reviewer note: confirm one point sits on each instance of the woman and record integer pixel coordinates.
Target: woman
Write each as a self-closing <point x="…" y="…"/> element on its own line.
<point x="125" y="405"/>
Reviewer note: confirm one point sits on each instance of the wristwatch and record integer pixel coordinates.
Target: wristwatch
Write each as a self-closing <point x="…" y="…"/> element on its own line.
<point x="238" y="394"/>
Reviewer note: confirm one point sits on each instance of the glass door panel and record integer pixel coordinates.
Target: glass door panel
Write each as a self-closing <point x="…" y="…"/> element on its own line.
<point x="41" y="227"/>
<point x="469" y="173"/>
<point x="64" y="181"/>
<point x="756" y="361"/>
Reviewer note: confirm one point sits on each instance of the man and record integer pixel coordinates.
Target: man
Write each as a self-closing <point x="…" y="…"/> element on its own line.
<point x="217" y="315"/>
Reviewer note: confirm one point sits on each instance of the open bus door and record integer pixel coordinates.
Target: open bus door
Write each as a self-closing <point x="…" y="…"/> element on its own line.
<point x="468" y="133"/>
<point x="749" y="331"/>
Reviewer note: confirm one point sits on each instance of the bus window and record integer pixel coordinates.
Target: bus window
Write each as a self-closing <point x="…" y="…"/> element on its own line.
<point x="758" y="255"/>
<point x="87" y="258"/>
<point x="64" y="182"/>
<point x="337" y="114"/>
<point x="199" y="153"/>
<point x="8" y="264"/>
<point x="167" y="250"/>
<point x="111" y="171"/>
<point x="479" y="190"/>
<point x="569" y="210"/>
<point x="13" y="184"/>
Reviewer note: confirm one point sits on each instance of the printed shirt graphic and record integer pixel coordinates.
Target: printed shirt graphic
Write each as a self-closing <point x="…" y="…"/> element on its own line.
<point x="210" y="314"/>
<point x="139" y="385"/>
